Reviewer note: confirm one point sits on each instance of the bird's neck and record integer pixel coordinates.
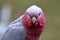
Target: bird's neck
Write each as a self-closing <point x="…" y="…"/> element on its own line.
<point x="32" y="38"/>
<point x="33" y="33"/>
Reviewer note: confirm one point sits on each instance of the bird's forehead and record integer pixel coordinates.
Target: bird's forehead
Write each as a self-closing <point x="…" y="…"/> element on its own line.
<point x="34" y="10"/>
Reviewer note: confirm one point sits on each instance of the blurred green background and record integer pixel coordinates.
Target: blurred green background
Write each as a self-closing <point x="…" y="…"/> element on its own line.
<point x="51" y="9"/>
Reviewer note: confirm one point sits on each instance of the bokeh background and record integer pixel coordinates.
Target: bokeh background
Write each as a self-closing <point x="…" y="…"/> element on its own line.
<point x="51" y="10"/>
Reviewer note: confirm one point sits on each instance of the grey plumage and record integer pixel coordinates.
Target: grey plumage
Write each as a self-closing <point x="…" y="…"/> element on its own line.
<point x="15" y="31"/>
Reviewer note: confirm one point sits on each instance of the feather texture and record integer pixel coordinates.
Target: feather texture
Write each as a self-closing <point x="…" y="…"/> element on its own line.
<point x="15" y="31"/>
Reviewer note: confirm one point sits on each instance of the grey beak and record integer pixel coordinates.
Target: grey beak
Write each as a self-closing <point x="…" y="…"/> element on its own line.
<point x="33" y="19"/>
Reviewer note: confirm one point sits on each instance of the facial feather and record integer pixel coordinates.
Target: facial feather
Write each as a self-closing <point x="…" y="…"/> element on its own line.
<point x="34" y="26"/>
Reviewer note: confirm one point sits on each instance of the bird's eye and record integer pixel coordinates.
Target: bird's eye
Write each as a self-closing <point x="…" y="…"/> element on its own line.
<point x="39" y="13"/>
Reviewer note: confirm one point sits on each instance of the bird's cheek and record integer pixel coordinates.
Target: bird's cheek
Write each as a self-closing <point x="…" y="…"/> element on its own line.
<point x="36" y="22"/>
<point x="41" y="22"/>
<point x="29" y="22"/>
<point x="26" y="20"/>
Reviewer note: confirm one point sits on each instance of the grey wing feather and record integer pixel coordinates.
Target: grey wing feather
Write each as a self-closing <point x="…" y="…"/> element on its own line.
<point x="17" y="20"/>
<point x="15" y="31"/>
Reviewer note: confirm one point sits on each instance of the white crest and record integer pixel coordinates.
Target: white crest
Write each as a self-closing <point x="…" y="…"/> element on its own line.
<point x="34" y="9"/>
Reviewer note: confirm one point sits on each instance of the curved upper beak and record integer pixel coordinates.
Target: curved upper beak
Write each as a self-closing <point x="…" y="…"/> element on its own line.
<point x="33" y="19"/>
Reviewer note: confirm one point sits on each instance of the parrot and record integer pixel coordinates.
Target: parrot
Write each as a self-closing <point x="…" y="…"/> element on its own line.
<point x="29" y="26"/>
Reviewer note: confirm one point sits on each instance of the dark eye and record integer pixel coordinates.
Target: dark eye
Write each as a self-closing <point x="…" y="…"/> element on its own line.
<point x="39" y="13"/>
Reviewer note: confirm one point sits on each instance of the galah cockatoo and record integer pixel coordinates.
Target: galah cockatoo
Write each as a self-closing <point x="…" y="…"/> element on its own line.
<point x="27" y="27"/>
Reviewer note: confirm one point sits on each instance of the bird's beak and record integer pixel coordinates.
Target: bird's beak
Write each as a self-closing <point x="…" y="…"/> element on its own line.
<point x="33" y="19"/>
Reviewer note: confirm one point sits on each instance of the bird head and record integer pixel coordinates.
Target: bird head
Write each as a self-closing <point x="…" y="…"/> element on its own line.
<point x="33" y="12"/>
<point x="34" y="22"/>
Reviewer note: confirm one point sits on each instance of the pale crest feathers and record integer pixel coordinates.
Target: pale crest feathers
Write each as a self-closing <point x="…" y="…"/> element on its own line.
<point x="34" y="9"/>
